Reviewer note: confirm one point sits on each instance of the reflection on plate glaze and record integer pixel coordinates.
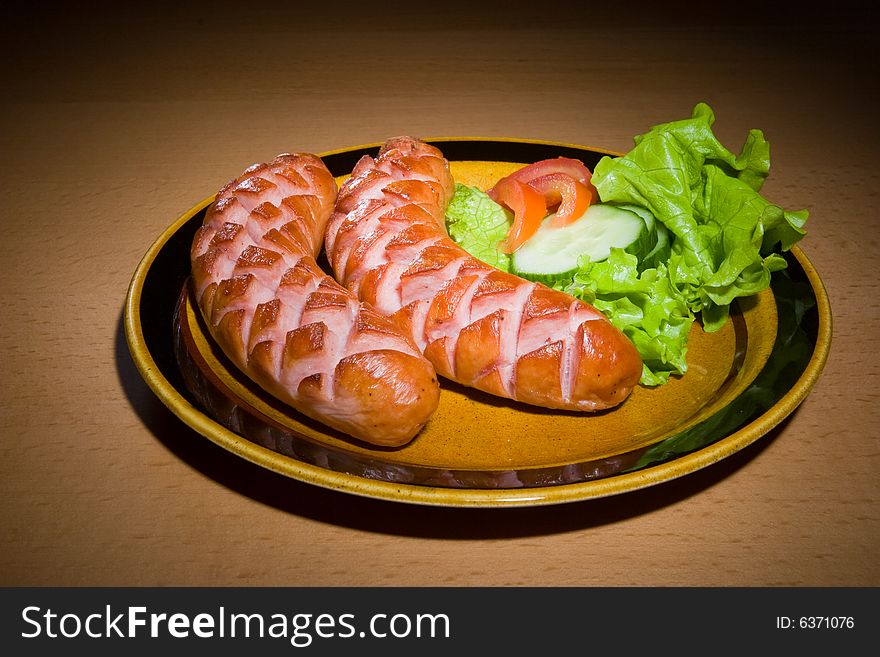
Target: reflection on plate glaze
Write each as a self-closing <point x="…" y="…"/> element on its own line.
<point x="791" y="353"/>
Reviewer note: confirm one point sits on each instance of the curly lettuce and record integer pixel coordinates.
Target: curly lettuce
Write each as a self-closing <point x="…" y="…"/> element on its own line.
<point x="478" y="224"/>
<point x="645" y="306"/>
<point x="726" y="236"/>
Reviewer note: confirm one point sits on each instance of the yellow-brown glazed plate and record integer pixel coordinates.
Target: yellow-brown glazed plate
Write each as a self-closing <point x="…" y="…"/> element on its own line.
<point x="480" y="451"/>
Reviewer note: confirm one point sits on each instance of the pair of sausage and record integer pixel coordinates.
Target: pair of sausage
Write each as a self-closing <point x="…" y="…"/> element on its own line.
<point x="361" y="354"/>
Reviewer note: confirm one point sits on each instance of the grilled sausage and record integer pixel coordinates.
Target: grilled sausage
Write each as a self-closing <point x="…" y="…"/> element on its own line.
<point x="287" y="324"/>
<point x="481" y="327"/>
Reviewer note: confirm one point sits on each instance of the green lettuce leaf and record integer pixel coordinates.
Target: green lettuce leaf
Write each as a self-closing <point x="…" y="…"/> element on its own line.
<point x="644" y="305"/>
<point x="478" y="224"/>
<point x="725" y="236"/>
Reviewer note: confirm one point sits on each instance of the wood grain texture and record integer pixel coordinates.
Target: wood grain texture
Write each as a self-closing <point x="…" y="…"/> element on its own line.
<point x="110" y="131"/>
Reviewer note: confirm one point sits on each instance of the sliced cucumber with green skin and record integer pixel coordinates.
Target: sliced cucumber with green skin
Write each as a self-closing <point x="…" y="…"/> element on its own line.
<point x="552" y="253"/>
<point x="661" y="248"/>
<point x="661" y="251"/>
<point x="644" y="213"/>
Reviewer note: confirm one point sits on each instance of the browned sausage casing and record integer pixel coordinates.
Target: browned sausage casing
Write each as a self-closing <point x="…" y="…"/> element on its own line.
<point x="484" y="328"/>
<point x="291" y="327"/>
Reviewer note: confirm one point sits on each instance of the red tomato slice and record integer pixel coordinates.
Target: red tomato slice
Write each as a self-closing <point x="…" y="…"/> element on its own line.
<point x="569" y="196"/>
<point x="528" y="207"/>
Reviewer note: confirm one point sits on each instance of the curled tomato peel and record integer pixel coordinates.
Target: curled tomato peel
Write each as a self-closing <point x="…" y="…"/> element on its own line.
<point x="567" y="165"/>
<point x="569" y="196"/>
<point x="528" y="207"/>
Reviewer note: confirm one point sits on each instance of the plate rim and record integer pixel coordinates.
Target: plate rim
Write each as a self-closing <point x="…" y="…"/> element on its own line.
<point x="418" y="494"/>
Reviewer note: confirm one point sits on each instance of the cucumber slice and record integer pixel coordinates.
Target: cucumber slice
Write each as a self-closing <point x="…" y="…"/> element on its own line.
<point x="552" y="253"/>
<point x="661" y="248"/>
<point x="661" y="251"/>
<point x="644" y="213"/>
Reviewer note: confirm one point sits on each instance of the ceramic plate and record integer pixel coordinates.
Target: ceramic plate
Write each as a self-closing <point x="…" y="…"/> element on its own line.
<point x="478" y="450"/>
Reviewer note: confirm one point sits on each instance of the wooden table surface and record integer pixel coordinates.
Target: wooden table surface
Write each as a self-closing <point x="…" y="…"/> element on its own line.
<point x="113" y="125"/>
